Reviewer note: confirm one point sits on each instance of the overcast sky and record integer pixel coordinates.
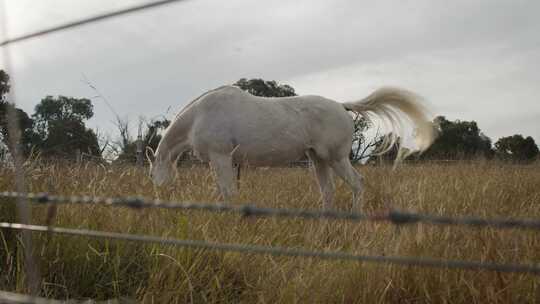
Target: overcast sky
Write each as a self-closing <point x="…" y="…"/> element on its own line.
<point x="472" y="60"/>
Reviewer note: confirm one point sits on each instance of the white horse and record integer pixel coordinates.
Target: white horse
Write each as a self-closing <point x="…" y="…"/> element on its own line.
<point x="227" y="126"/>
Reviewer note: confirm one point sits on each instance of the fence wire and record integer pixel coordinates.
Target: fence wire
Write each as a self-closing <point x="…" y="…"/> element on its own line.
<point x="249" y="210"/>
<point x="284" y="251"/>
<point x="88" y="20"/>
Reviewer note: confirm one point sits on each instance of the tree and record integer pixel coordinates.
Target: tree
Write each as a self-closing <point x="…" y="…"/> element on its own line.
<point x="386" y="152"/>
<point x="59" y="123"/>
<point x="516" y="148"/>
<point x="264" y="88"/>
<point x="150" y="137"/>
<point x="4" y="85"/>
<point x="458" y="140"/>
<point x="362" y="148"/>
<point x="24" y="122"/>
<point x="25" y="125"/>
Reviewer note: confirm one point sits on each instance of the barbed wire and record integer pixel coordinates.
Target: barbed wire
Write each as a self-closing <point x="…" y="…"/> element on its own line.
<point x="88" y="20"/>
<point x="247" y="210"/>
<point x="284" y="251"/>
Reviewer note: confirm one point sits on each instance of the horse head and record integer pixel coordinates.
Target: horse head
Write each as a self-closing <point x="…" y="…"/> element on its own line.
<point x="160" y="167"/>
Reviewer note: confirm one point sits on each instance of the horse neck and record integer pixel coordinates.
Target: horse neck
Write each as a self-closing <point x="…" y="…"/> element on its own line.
<point x="173" y="143"/>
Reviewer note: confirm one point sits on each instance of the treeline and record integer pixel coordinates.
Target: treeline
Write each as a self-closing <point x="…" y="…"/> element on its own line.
<point x="463" y="140"/>
<point x="57" y="129"/>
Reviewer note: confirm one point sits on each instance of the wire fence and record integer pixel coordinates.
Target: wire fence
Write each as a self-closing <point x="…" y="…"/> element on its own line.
<point x="283" y="251"/>
<point x="393" y="217"/>
<point x="249" y="210"/>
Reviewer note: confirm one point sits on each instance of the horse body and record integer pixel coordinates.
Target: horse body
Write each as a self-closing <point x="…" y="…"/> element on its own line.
<point x="268" y="132"/>
<point x="228" y="126"/>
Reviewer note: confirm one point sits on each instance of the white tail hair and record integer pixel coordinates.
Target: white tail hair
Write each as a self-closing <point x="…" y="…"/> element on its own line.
<point x="394" y="106"/>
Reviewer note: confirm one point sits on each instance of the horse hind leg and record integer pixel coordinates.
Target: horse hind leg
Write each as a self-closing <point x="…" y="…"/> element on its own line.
<point x="325" y="179"/>
<point x="344" y="169"/>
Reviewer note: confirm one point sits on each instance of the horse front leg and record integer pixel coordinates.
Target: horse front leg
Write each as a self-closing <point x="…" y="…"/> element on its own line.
<point x="225" y="174"/>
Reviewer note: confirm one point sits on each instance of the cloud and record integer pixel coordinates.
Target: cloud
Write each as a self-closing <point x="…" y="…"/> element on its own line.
<point x="471" y="59"/>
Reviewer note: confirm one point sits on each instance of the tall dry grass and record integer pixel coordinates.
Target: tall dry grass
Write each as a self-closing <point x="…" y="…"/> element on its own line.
<point x="73" y="267"/>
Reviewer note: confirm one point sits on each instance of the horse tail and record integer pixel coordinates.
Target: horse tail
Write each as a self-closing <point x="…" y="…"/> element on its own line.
<point x="394" y="106"/>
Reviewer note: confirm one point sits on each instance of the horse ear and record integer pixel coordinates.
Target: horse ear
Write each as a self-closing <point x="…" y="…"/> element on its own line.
<point x="150" y="154"/>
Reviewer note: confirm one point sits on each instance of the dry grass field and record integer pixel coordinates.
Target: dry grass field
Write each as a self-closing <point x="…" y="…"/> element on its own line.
<point x="81" y="268"/>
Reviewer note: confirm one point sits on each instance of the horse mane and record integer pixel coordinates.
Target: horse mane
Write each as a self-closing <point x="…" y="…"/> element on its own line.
<point x="191" y="103"/>
<point x="199" y="98"/>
